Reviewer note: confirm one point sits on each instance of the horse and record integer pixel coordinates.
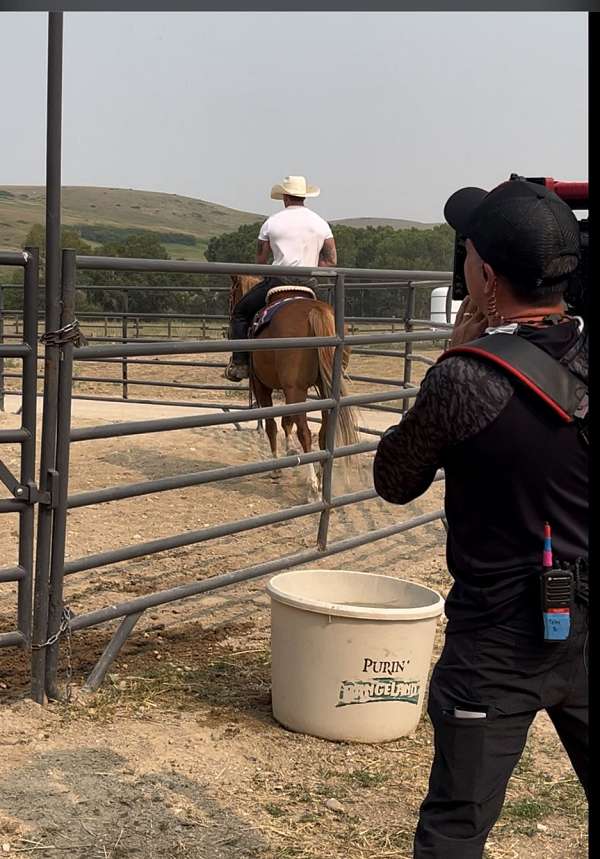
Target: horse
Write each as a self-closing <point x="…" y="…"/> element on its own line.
<point x="295" y="371"/>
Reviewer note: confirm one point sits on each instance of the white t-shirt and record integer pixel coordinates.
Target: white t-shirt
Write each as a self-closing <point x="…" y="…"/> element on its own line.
<point x="296" y="236"/>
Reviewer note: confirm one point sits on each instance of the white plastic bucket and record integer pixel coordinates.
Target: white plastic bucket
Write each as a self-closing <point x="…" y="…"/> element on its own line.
<point x="438" y="305"/>
<point x="351" y="653"/>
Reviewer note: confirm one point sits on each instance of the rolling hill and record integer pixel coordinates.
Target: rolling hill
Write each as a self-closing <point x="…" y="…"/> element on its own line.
<point x="185" y="223"/>
<point x="396" y="223"/>
<point x="22" y="206"/>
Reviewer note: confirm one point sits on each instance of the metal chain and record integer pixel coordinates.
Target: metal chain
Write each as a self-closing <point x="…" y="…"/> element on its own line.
<point x="70" y="333"/>
<point x="65" y="626"/>
<point x="69" y="676"/>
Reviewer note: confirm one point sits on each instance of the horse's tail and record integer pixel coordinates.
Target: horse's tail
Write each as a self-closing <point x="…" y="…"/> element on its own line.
<point x="322" y="324"/>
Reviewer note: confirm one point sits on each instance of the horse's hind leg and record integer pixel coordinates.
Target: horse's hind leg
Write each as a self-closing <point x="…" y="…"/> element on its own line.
<point x="287" y="422"/>
<point x="296" y="395"/>
<point x="322" y="441"/>
<point x="264" y="398"/>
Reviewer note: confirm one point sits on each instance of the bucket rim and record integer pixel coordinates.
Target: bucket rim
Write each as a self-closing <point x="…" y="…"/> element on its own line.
<point x="332" y="609"/>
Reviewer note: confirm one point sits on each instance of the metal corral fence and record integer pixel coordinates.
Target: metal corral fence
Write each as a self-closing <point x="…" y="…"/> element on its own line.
<point x="51" y="617"/>
<point x="124" y="326"/>
<point x="22" y="488"/>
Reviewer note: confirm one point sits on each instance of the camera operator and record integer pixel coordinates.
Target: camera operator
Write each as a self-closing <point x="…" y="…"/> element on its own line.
<point x="511" y="466"/>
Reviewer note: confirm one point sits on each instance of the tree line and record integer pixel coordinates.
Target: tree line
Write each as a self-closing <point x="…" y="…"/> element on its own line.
<point x="363" y="247"/>
<point x="370" y="247"/>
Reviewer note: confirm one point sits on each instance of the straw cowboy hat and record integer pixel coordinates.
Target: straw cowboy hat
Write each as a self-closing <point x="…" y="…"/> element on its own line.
<point x="295" y="186"/>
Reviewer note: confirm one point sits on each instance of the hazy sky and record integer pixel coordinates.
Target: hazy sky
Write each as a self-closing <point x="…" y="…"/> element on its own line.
<point x="389" y="112"/>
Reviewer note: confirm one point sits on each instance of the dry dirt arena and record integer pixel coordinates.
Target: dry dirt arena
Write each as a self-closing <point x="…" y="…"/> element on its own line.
<point x="178" y="754"/>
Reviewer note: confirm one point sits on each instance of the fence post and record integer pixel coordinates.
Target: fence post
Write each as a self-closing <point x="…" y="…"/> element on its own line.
<point x="125" y="329"/>
<point x="333" y="415"/>
<point x="408" y="346"/>
<point x="52" y="351"/>
<point x="28" y="422"/>
<point x="63" y="444"/>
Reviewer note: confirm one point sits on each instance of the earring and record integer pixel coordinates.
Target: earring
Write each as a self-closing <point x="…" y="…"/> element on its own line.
<point x="493" y="317"/>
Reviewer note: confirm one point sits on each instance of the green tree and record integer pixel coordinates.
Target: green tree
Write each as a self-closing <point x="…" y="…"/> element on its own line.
<point x="69" y="238"/>
<point x="142" y="246"/>
<point x="237" y="246"/>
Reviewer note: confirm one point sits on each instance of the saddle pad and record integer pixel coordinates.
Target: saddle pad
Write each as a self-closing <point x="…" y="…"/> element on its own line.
<point x="264" y="316"/>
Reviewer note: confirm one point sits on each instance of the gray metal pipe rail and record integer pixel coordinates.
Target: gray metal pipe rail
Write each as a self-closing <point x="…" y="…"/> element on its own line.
<point x="127" y="347"/>
<point x="164" y="424"/>
<point x="10" y="350"/>
<point x="101" y="315"/>
<point x="195" y="347"/>
<point x="12" y="574"/>
<point x="11" y="436"/>
<point x="8" y="505"/>
<point x="12" y="639"/>
<point x="22" y="483"/>
<point x="113" y="380"/>
<point x="216" y="287"/>
<point x="98" y="263"/>
<point x="13" y="259"/>
<point x="131" y="607"/>
<point x="189" y="538"/>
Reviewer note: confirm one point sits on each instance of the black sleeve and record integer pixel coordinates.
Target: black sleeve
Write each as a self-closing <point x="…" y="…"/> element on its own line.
<point x="457" y="399"/>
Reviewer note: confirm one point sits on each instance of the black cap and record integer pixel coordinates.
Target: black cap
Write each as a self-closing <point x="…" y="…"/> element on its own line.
<point x="520" y="228"/>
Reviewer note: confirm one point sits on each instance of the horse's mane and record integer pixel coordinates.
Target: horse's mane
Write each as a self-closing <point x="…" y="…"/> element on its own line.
<point x="244" y="282"/>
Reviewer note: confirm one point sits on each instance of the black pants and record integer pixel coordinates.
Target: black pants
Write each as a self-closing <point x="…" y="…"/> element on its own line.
<point x="511" y="676"/>
<point x="244" y="312"/>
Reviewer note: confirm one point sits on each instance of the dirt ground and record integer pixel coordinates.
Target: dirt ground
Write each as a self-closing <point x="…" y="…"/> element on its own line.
<point x="178" y="753"/>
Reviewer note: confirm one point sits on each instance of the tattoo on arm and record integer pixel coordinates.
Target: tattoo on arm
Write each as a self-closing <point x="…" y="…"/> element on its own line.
<point x="328" y="255"/>
<point x="263" y="250"/>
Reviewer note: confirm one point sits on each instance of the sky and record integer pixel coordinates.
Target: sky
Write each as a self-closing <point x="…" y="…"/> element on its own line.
<point x="388" y="112"/>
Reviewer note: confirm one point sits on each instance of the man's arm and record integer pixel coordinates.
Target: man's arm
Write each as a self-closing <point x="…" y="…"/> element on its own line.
<point x="458" y="399"/>
<point x="410" y="453"/>
<point x="262" y="252"/>
<point x="328" y="254"/>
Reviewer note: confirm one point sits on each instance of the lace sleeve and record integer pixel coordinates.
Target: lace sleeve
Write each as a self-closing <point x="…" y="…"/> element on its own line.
<point x="458" y="398"/>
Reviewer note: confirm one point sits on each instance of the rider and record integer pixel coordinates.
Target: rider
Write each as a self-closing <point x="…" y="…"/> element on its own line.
<point x="296" y="236"/>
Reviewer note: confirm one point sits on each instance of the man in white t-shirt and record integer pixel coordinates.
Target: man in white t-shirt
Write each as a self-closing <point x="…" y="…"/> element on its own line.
<point x="296" y="236"/>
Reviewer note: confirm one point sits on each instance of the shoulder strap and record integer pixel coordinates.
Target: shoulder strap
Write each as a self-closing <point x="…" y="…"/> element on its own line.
<point x="541" y="373"/>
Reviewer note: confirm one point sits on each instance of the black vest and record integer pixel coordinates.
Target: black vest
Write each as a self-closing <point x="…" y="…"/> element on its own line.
<point x="525" y="468"/>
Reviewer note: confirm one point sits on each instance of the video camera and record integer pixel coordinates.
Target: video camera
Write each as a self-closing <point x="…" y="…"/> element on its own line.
<point x="576" y="195"/>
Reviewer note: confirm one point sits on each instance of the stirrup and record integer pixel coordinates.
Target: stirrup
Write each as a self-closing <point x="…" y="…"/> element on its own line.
<point x="236" y="372"/>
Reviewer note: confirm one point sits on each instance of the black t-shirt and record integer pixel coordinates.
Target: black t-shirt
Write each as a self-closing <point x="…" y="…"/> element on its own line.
<point x="510" y="465"/>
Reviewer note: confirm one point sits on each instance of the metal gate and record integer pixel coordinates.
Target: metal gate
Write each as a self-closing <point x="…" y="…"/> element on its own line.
<point x="20" y="482"/>
<point x="41" y="615"/>
<point x="51" y="616"/>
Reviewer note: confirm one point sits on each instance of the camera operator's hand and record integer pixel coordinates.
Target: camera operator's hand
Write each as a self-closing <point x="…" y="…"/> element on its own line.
<point x="470" y="323"/>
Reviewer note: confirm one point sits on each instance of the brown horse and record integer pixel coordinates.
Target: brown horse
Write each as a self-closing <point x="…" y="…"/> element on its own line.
<point x="295" y="371"/>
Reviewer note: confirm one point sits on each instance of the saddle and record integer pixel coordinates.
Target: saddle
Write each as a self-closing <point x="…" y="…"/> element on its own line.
<point x="274" y="305"/>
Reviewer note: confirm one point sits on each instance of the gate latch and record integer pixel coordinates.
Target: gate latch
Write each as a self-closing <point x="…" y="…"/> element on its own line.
<point x="30" y="493"/>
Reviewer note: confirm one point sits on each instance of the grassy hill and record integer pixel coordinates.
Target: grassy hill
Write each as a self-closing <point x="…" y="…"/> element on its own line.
<point x="185" y="224"/>
<point x="22" y="206"/>
<point x="396" y="223"/>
